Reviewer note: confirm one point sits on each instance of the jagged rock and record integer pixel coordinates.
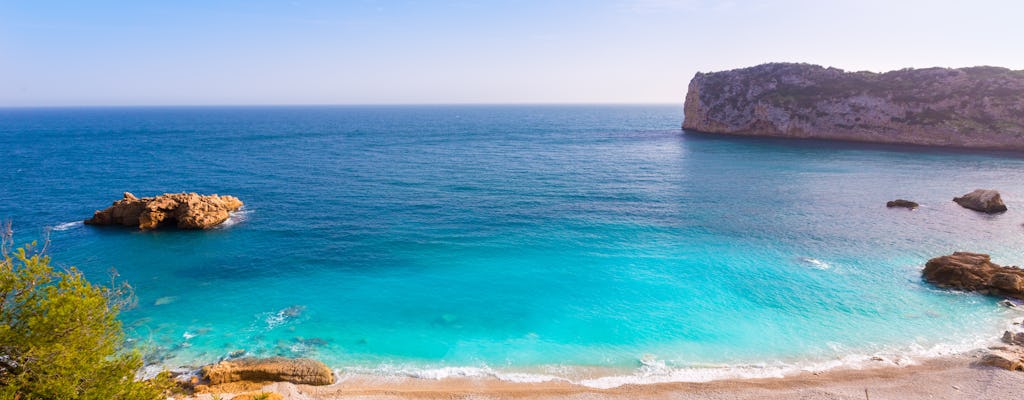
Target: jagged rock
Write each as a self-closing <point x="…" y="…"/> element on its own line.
<point x="902" y="203"/>
<point x="275" y="369"/>
<point x="1002" y="359"/>
<point x="184" y="210"/>
<point x="977" y="107"/>
<point x="1016" y="339"/>
<point x="986" y="201"/>
<point x="975" y="272"/>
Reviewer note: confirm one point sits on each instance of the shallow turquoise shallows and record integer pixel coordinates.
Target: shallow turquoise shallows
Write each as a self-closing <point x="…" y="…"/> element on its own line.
<point x="526" y="242"/>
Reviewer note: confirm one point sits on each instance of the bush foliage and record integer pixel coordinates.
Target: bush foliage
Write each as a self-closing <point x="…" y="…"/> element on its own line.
<point x="60" y="337"/>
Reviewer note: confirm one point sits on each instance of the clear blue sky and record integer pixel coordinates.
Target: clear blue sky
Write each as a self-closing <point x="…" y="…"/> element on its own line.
<point x="370" y="52"/>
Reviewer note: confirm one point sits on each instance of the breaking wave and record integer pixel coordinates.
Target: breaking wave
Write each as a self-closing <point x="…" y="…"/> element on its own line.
<point x="653" y="370"/>
<point x="67" y="225"/>
<point x="235" y="218"/>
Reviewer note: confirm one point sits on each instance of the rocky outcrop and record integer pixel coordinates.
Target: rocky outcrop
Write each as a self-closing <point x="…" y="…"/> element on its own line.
<point x="902" y="203"/>
<point x="1004" y="359"/>
<point x="976" y="273"/>
<point x="184" y="210"/>
<point x="275" y="369"/>
<point x="1013" y="338"/>
<point x="986" y="201"/>
<point x="978" y="107"/>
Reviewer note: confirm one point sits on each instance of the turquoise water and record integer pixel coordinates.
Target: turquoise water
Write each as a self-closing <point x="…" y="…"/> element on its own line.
<point x="522" y="241"/>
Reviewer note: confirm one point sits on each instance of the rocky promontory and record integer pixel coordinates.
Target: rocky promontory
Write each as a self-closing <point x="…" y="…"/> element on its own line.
<point x="977" y="107"/>
<point x="183" y="210"/>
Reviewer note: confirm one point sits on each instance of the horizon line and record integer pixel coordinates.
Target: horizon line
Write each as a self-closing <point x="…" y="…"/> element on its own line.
<point x="256" y="105"/>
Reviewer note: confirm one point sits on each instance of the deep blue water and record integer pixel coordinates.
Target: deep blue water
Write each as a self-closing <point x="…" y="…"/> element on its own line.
<point x="541" y="239"/>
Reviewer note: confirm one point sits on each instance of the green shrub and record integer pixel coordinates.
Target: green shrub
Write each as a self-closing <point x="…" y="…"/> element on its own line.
<point x="60" y="337"/>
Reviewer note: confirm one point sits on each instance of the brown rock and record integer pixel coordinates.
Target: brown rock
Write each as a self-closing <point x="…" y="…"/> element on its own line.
<point x="975" y="272"/>
<point x="1002" y="359"/>
<point x="1016" y="339"/>
<point x="902" y="203"/>
<point x="276" y="369"/>
<point x="184" y="210"/>
<point x="986" y="201"/>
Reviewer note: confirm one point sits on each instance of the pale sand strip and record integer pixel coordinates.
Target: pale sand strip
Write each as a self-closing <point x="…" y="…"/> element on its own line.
<point x="951" y="377"/>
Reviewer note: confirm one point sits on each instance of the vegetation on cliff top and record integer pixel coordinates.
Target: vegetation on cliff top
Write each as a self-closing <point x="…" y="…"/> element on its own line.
<point x="963" y="100"/>
<point x="59" y="334"/>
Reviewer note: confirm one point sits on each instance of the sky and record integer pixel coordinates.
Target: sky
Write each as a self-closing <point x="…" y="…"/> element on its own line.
<point x="255" y="52"/>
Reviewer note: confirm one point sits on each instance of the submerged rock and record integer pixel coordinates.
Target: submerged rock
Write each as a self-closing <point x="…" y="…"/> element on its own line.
<point x="902" y="203"/>
<point x="304" y="371"/>
<point x="986" y="201"/>
<point x="184" y="210"/>
<point x="975" y="272"/>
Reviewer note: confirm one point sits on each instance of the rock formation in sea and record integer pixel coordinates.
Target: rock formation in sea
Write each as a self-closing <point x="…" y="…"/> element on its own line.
<point x="184" y="210"/>
<point x="977" y="107"/>
<point x="901" y="203"/>
<point x="975" y="273"/>
<point x="275" y="369"/>
<point x="986" y="201"/>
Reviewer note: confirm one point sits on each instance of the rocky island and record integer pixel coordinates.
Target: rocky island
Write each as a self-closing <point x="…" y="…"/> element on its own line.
<point x="977" y="107"/>
<point x="984" y="200"/>
<point x="183" y="210"/>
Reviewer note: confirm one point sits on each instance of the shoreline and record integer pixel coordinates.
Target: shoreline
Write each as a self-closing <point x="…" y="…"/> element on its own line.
<point x="956" y="376"/>
<point x="951" y="374"/>
<point x="648" y="370"/>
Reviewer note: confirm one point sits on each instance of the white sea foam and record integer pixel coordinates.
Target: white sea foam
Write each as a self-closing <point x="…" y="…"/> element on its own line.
<point x="152" y="370"/>
<point x="275" y="320"/>
<point x="815" y="263"/>
<point x="653" y="370"/>
<point x="241" y="215"/>
<point x="452" y="372"/>
<point x="283" y="316"/>
<point x="67" y="225"/>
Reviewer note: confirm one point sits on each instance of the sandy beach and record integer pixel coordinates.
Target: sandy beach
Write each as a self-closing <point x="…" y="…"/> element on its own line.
<point x="953" y="377"/>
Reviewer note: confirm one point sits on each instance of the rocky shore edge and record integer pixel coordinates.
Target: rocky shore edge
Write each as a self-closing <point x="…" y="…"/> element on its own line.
<point x="975" y="272"/>
<point x="971" y="373"/>
<point x="960" y="376"/>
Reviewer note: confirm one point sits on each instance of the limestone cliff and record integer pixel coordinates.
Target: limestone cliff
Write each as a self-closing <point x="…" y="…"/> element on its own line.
<point x="978" y="107"/>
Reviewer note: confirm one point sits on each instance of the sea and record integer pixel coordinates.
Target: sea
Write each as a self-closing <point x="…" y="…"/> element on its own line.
<point x="596" y="244"/>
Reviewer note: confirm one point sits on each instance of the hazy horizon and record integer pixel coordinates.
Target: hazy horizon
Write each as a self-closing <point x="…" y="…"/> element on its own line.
<point x="60" y="54"/>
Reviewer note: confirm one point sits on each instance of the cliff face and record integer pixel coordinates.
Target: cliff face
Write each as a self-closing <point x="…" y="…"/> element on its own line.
<point x="978" y="107"/>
